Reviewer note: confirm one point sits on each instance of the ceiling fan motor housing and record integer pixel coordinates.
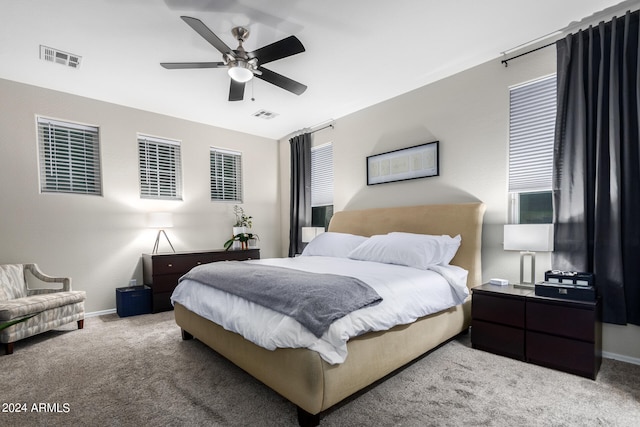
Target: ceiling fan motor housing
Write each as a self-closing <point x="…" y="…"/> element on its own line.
<point x="240" y="33"/>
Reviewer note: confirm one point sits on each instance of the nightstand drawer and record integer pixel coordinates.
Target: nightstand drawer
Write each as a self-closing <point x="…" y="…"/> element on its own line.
<point x="498" y="309"/>
<point x="498" y="339"/>
<point x="577" y="357"/>
<point x="562" y="319"/>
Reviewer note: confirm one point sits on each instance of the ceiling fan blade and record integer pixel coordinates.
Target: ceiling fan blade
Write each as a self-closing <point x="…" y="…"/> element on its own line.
<point x="278" y="50"/>
<point x="207" y="34"/>
<point x="281" y="81"/>
<point x="236" y="91"/>
<point x="181" y="65"/>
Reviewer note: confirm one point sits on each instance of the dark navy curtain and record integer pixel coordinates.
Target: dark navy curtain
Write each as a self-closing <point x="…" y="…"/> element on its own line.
<point x="597" y="158"/>
<point x="300" y="212"/>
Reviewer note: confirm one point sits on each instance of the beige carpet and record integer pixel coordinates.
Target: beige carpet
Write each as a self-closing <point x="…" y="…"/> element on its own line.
<point x="137" y="371"/>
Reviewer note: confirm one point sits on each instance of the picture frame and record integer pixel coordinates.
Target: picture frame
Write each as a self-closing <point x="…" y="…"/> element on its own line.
<point x="418" y="161"/>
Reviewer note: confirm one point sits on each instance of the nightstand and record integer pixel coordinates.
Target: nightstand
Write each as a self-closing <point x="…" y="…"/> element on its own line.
<point x="557" y="333"/>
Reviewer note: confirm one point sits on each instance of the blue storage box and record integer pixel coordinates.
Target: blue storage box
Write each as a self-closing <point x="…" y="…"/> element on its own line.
<point x="133" y="300"/>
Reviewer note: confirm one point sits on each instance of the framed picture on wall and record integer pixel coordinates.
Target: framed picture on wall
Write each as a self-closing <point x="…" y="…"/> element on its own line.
<point x="419" y="161"/>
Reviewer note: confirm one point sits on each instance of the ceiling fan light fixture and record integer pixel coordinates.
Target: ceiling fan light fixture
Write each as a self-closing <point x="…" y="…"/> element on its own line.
<point x="240" y="72"/>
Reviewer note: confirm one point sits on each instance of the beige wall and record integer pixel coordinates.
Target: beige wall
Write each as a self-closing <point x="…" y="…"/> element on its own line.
<point x="98" y="240"/>
<point x="469" y="114"/>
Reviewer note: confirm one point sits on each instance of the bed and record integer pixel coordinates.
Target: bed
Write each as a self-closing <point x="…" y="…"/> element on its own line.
<point x="307" y="379"/>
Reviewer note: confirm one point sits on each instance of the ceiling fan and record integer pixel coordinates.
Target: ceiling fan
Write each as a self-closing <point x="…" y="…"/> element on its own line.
<point x="242" y="65"/>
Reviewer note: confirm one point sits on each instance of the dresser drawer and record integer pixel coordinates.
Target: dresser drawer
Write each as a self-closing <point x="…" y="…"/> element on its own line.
<point x="179" y="263"/>
<point x="577" y="357"/>
<point x="499" y="339"/>
<point x="166" y="282"/>
<point x="576" y="322"/>
<point x="498" y="309"/>
<point x="161" y="301"/>
<point x="237" y="255"/>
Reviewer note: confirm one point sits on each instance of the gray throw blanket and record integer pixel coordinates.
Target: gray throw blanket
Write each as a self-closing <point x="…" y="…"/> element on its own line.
<point x="315" y="300"/>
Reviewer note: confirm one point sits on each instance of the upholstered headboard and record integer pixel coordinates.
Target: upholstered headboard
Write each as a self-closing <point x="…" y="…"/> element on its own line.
<point x="464" y="219"/>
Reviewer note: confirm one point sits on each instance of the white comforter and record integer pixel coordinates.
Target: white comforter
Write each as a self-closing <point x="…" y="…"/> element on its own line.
<point x="407" y="294"/>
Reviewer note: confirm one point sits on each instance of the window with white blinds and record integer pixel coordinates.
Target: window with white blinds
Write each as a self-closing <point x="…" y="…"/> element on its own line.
<point x="531" y="132"/>
<point x="69" y="157"/>
<point x="226" y="175"/>
<point x="322" y="175"/>
<point x="160" y="168"/>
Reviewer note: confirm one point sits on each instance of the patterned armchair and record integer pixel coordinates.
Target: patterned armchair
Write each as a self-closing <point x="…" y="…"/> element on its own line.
<point x="25" y="312"/>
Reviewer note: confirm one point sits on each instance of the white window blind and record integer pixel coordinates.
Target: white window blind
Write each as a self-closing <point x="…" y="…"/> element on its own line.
<point x="160" y="168"/>
<point x="226" y="175"/>
<point x="69" y="157"/>
<point x="322" y="175"/>
<point x="531" y="132"/>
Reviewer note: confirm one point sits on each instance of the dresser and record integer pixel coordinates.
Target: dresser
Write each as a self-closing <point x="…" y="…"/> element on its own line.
<point x="557" y="333"/>
<point x="162" y="271"/>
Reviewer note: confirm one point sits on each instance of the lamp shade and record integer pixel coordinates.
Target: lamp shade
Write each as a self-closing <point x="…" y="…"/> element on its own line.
<point x="309" y="233"/>
<point x="240" y="72"/>
<point x="528" y="237"/>
<point x="160" y="220"/>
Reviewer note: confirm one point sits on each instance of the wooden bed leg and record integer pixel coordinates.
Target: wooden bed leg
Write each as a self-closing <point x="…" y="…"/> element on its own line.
<point x="186" y="335"/>
<point x="306" y="419"/>
<point x="80" y="323"/>
<point x="8" y="348"/>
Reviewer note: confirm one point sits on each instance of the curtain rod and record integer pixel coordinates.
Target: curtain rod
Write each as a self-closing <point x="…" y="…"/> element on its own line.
<point x="601" y="16"/>
<point x="330" y="125"/>
<point x="506" y="61"/>
<point x="313" y="129"/>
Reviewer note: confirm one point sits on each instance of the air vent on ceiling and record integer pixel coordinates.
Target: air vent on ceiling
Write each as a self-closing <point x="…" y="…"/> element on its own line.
<point x="59" y="57"/>
<point x="264" y="114"/>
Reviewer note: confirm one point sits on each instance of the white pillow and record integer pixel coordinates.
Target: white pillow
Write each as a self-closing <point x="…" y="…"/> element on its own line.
<point x="333" y="244"/>
<point x="449" y="244"/>
<point x="413" y="250"/>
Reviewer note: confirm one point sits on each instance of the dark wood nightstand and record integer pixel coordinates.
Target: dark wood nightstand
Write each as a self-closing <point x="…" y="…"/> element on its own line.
<point x="162" y="271"/>
<point x="557" y="333"/>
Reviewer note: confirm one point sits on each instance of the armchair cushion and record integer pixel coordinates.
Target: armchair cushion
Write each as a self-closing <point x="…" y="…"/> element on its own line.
<point x="19" y="307"/>
<point x="12" y="283"/>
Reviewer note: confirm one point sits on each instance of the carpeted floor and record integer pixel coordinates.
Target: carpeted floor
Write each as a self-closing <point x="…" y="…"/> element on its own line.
<point x="137" y="371"/>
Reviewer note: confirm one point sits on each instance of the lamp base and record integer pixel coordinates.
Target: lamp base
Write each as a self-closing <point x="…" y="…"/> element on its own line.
<point x="531" y="254"/>
<point x="157" y="244"/>
<point x="524" y="285"/>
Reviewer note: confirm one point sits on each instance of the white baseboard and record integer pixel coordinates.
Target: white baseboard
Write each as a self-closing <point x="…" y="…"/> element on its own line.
<point x="621" y="357"/>
<point x="100" y="313"/>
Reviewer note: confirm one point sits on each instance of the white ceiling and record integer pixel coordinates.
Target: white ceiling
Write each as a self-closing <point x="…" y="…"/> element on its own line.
<point x="358" y="52"/>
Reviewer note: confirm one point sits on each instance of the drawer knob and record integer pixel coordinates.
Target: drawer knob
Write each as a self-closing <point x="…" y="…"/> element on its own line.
<point x="170" y="265"/>
<point x="199" y="262"/>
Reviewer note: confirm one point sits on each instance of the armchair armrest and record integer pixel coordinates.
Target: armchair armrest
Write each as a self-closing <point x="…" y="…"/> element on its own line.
<point x="33" y="268"/>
